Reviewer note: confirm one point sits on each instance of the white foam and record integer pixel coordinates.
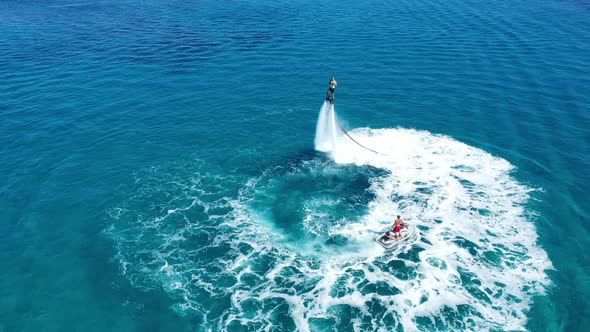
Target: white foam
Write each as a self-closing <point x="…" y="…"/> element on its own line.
<point x="457" y="194"/>
<point x="464" y="200"/>
<point x="468" y="194"/>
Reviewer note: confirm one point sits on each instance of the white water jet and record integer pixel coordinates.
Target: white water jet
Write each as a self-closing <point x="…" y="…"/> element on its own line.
<point x="327" y="130"/>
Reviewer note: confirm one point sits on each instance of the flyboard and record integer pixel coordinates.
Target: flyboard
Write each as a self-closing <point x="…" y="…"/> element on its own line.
<point x="330" y="98"/>
<point x="407" y="234"/>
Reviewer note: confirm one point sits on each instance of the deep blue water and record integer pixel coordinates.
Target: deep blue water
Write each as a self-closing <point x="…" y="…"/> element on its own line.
<point x="159" y="172"/>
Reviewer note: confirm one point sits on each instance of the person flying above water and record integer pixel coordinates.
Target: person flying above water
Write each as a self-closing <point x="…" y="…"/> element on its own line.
<point x="331" y="90"/>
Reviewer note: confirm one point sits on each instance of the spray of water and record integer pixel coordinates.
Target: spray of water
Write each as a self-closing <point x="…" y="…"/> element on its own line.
<point x="327" y="130"/>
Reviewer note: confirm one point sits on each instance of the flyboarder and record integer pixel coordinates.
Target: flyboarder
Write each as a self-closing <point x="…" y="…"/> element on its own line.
<point x="331" y="90"/>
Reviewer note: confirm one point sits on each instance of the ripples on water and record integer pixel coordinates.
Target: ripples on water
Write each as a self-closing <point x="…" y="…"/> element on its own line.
<point x="102" y="104"/>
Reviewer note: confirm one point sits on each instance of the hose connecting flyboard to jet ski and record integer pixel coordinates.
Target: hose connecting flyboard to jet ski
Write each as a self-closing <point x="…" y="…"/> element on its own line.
<point x="359" y="144"/>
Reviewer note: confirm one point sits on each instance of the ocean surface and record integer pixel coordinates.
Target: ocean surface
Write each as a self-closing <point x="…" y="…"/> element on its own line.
<point x="160" y="170"/>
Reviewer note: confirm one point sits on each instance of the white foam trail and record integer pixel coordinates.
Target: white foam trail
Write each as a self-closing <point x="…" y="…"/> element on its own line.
<point x="327" y="131"/>
<point x="461" y="195"/>
<point x="477" y="267"/>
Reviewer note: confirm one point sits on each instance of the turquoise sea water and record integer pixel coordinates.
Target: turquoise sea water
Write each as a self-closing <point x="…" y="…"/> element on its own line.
<point x="159" y="171"/>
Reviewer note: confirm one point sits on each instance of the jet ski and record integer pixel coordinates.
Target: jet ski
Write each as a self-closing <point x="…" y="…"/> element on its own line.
<point x="407" y="233"/>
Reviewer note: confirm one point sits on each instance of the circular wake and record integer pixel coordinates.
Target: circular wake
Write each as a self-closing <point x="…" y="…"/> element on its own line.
<point x="293" y="248"/>
<point x="479" y="252"/>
